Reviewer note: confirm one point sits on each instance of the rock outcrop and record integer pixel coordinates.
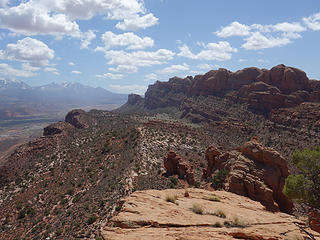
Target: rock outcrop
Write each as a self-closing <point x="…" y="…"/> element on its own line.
<point x="148" y="215"/>
<point x="174" y="165"/>
<point x="254" y="171"/>
<point x="264" y="90"/>
<point x="57" y="128"/>
<point x="134" y="99"/>
<point x="77" y="118"/>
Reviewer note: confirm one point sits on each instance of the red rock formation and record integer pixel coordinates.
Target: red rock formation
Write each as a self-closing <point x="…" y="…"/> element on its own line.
<point x="213" y="82"/>
<point x="289" y="79"/>
<point x="263" y="89"/>
<point x="254" y="171"/>
<point x="174" y="164"/>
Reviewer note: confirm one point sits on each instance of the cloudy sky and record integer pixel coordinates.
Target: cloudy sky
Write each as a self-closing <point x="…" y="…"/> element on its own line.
<point x="124" y="45"/>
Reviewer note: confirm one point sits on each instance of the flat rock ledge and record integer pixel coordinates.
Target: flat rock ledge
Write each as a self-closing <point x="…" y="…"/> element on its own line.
<point x="170" y="214"/>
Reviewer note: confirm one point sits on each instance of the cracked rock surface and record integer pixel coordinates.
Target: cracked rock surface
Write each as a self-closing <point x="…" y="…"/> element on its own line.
<point x="149" y="215"/>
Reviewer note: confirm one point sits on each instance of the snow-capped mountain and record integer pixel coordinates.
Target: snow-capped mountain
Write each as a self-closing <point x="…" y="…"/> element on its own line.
<point x="13" y="84"/>
<point x="54" y="96"/>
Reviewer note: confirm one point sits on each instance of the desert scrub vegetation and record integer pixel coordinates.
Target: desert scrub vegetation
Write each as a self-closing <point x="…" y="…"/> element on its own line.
<point x="171" y="198"/>
<point x="213" y="199"/>
<point x="218" y="179"/>
<point x="235" y="222"/>
<point x="303" y="187"/>
<point x="197" y="208"/>
<point x="219" y="213"/>
<point x="173" y="181"/>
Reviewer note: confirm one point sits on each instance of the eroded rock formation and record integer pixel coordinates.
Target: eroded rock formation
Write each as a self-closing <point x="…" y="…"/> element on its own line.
<point x="174" y="165"/>
<point x="263" y="89"/>
<point x="254" y="171"/>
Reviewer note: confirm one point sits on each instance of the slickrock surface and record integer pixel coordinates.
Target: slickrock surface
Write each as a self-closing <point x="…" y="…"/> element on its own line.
<point x="148" y="215"/>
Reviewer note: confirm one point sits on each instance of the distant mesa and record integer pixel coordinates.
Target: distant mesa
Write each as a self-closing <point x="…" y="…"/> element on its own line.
<point x="262" y="89"/>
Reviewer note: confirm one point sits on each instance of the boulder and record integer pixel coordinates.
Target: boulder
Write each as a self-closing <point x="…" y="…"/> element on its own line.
<point x="174" y="165"/>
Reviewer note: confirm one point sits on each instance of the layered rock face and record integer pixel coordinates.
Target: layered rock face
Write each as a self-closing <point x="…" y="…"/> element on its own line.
<point x="263" y="89"/>
<point x="174" y="165"/>
<point x="254" y="171"/>
<point x="147" y="215"/>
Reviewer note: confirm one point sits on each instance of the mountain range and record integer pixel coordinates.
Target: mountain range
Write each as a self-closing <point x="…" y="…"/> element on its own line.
<point x="19" y="99"/>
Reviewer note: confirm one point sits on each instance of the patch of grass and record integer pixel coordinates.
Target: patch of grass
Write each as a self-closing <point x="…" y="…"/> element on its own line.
<point x="236" y="222"/>
<point x="197" y="208"/>
<point x="220" y="213"/>
<point x="217" y="224"/>
<point x="213" y="199"/>
<point x="171" y="198"/>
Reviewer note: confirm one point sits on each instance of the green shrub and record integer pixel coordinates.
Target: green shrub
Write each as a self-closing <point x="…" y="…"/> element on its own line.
<point x="304" y="187"/>
<point x="91" y="219"/>
<point x="173" y="181"/>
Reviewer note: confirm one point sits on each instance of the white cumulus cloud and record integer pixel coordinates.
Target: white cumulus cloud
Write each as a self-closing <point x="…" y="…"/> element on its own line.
<point x="28" y="50"/>
<point x="31" y="18"/>
<point x="150" y="77"/>
<point x="258" y="41"/>
<point x="138" y="58"/>
<point x="137" y="22"/>
<point x="174" y="68"/>
<point x="8" y="70"/>
<point x="129" y="40"/>
<point x="234" y="29"/>
<point x="124" y="68"/>
<point x="86" y="38"/>
<point x="212" y="51"/>
<point x="110" y="75"/>
<point x="76" y="72"/>
<point x="313" y="22"/>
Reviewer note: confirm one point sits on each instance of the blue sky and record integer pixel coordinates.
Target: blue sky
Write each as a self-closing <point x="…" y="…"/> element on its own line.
<point x="125" y="45"/>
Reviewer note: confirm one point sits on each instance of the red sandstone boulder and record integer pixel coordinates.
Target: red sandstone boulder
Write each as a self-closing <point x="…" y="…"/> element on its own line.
<point x="254" y="171"/>
<point x="174" y="165"/>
